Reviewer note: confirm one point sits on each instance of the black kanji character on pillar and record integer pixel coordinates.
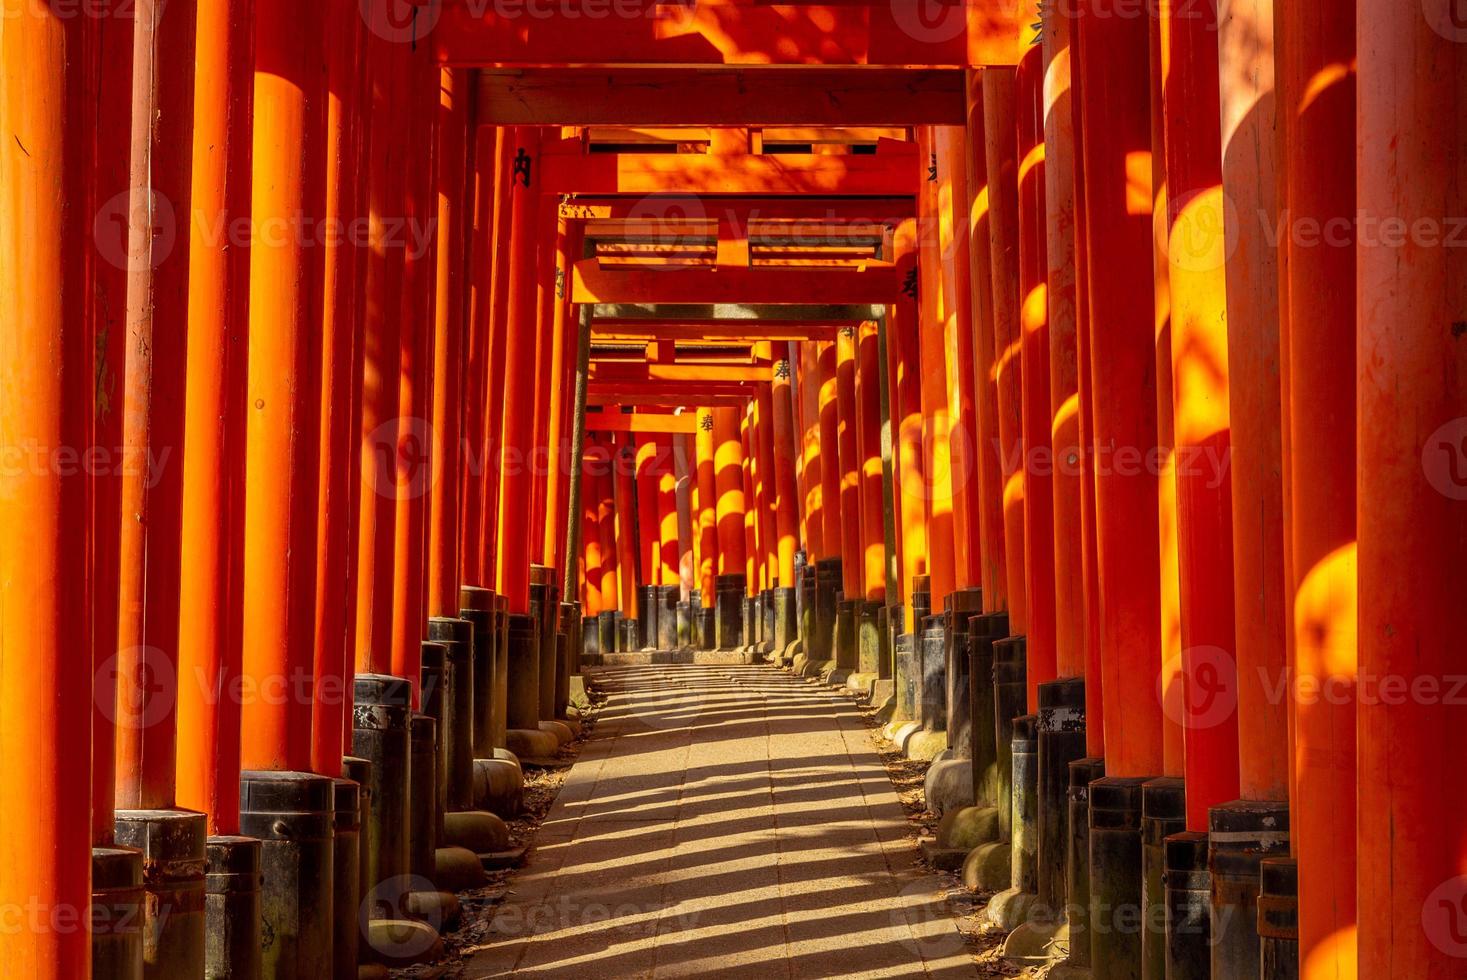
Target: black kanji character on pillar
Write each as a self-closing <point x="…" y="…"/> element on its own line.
<point x="521" y="167"/>
<point x="909" y="284"/>
<point x="782" y="370"/>
<point x="932" y="167"/>
<point x="705" y="421"/>
<point x="559" y="283"/>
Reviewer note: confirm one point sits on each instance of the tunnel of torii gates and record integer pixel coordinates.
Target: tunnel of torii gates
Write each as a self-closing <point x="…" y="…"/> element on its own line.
<point x="1085" y="389"/>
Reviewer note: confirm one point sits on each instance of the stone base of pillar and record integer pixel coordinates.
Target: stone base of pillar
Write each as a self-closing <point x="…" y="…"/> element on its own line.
<point x="291" y="814"/>
<point x="346" y="870"/>
<point x="232" y="907"/>
<point x="1188" y="908"/>
<point x="729" y="611"/>
<point x="667" y="602"/>
<point x="1061" y="740"/>
<point x="172" y="845"/>
<point x="1163" y="813"/>
<point x="1241" y="834"/>
<point x="455" y="729"/>
<point x="117" y="913"/>
<point x="1115" y="875"/>
<point x="1010" y="907"/>
<point x="1083" y="772"/>
<point x="1278" y="918"/>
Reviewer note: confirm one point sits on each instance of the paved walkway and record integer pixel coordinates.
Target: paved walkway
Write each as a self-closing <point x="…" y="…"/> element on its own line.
<point x="729" y="822"/>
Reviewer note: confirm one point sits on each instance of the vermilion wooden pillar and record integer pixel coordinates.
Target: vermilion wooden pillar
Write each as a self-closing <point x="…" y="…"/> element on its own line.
<point x="812" y="520"/>
<point x="625" y="493"/>
<point x="496" y="352"/>
<point x="1411" y="382"/>
<point x="705" y="505"/>
<point x="769" y="452"/>
<point x="605" y="497"/>
<point x="668" y="542"/>
<point x="1317" y="180"/>
<point x="483" y="187"/>
<point x="903" y="331"/>
<point x="512" y="554"/>
<point x="761" y="466"/>
<point x="281" y="430"/>
<point x="830" y="499"/>
<point x="729" y="483"/>
<point x="45" y="702"/>
<point x="752" y="552"/>
<point x="593" y="557"/>
<point x="564" y="333"/>
<point x="1197" y="254"/>
<point x="1001" y="161"/>
<point x="1113" y="79"/>
<point x="1061" y="263"/>
<point x="449" y="333"/>
<point x="936" y="417"/>
<point x="213" y="450"/>
<point x="786" y="507"/>
<point x="868" y="453"/>
<point x="340" y="370"/>
<point x="1173" y="741"/>
<point x="380" y="377"/>
<point x="416" y="469"/>
<point x="951" y="192"/>
<point x="1249" y="173"/>
<point x="1038" y="459"/>
<point x="1089" y="548"/>
<point x="154" y="382"/>
<point x="547" y="245"/>
<point x="848" y="454"/>
<point x="987" y="459"/>
<point x="108" y="315"/>
<point x="648" y="526"/>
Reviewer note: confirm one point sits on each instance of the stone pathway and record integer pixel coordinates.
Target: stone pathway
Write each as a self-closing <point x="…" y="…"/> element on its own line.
<point x="729" y="822"/>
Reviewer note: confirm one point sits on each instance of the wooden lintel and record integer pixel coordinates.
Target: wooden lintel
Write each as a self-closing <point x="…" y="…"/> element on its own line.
<point x="705" y="212"/>
<point x="566" y="169"/>
<point x="876" y="283"/>
<point x="934" y="33"/>
<point x="660" y="423"/>
<point x="635" y="372"/>
<point x="812" y="97"/>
